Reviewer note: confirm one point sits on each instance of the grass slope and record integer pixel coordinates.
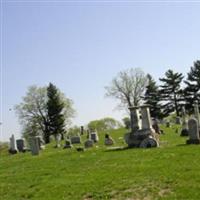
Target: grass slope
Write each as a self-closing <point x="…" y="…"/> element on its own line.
<point x="171" y="171"/>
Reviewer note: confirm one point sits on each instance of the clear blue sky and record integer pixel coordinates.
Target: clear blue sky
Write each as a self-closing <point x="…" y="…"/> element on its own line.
<point x="80" y="46"/>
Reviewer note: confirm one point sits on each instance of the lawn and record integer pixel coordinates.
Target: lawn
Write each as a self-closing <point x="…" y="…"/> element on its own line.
<point x="171" y="171"/>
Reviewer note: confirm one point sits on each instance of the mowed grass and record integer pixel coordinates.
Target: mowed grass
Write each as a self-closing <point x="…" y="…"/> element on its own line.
<point x="171" y="171"/>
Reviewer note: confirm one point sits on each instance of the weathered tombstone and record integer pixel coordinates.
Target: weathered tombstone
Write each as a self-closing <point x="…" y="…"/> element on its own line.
<point x="67" y="144"/>
<point x="196" y="112"/>
<point x="193" y="132"/>
<point x="146" y="118"/>
<point x="184" y="131"/>
<point x="94" y="136"/>
<point x="82" y="130"/>
<point x="58" y="139"/>
<point x="75" y="140"/>
<point x="21" y="145"/>
<point x="12" y="149"/>
<point x="178" y="120"/>
<point x="108" y="140"/>
<point x="135" y="119"/>
<point x="34" y="145"/>
<point x="149" y="143"/>
<point x="89" y="143"/>
<point x="40" y="142"/>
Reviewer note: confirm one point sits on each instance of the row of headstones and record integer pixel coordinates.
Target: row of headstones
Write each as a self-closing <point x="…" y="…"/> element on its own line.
<point x="36" y="143"/>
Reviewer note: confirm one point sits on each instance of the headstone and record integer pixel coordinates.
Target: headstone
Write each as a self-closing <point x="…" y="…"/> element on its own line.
<point x="108" y="140"/>
<point x="34" y="145"/>
<point x="58" y="139"/>
<point x="94" y="136"/>
<point x="82" y="130"/>
<point x="184" y="131"/>
<point x="178" y="120"/>
<point x="12" y="149"/>
<point x="193" y="132"/>
<point x="67" y="144"/>
<point x="149" y="143"/>
<point x="146" y="118"/>
<point x="196" y="112"/>
<point x="40" y="142"/>
<point x="75" y="140"/>
<point x="89" y="143"/>
<point x="21" y="145"/>
<point x="135" y="119"/>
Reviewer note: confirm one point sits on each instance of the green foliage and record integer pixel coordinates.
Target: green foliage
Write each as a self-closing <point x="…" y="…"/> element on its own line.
<point x="107" y="123"/>
<point x="192" y="90"/>
<point x="55" y="107"/>
<point x="73" y="131"/>
<point x="152" y="97"/>
<point x="171" y="92"/>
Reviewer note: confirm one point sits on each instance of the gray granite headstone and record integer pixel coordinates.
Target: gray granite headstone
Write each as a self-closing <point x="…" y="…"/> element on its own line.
<point x="67" y="144"/>
<point x="146" y="118"/>
<point x="21" y="145"/>
<point x="89" y="143"/>
<point x="196" y="112"/>
<point x="13" y="149"/>
<point x="184" y="131"/>
<point x="40" y="142"/>
<point x="94" y="136"/>
<point x="135" y="119"/>
<point x="34" y="145"/>
<point x="75" y="139"/>
<point x="193" y="131"/>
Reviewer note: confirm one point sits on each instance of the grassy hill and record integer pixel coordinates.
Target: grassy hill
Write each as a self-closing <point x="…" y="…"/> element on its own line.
<point x="171" y="171"/>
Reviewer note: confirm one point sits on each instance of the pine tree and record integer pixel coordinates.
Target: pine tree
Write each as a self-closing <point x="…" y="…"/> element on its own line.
<point x="192" y="89"/>
<point x="171" y="92"/>
<point x="152" y="98"/>
<point x="55" y="108"/>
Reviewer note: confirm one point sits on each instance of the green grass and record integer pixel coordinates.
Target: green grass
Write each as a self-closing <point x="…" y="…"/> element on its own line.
<point x="171" y="171"/>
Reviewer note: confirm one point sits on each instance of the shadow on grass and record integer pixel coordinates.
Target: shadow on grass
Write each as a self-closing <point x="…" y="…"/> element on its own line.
<point x="117" y="149"/>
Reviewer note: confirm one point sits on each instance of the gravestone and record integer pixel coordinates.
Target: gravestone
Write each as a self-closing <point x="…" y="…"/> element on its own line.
<point x="21" y="145"/>
<point x="67" y="144"/>
<point x="40" y="142"/>
<point x="58" y="139"/>
<point x="89" y="143"/>
<point x="34" y="145"/>
<point x="193" y="132"/>
<point x="82" y="130"/>
<point x="135" y="119"/>
<point x="149" y="143"/>
<point x="184" y="131"/>
<point x="140" y="132"/>
<point x="196" y="112"/>
<point x="12" y="149"/>
<point x="108" y="140"/>
<point x="94" y="136"/>
<point x="178" y="120"/>
<point x="75" y="140"/>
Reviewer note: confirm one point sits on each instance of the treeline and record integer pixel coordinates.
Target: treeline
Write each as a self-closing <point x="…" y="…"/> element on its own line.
<point x="173" y="92"/>
<point x="133" y="88"/>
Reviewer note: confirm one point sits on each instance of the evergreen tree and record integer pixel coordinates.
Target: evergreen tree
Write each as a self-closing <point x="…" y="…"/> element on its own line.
<point x="152" y="98"/>
<point x="192" y="90"/>
<point x="171" y="92"/>
<point x="55" y="107"/>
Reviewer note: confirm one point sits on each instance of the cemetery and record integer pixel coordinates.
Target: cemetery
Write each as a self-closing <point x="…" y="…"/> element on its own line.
<point x="140" y="164"/>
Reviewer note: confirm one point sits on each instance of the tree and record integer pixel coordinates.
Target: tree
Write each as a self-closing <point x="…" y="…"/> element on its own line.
<point x="192" y="89"/>
<point x="127" y="122"/>
<point x="171" y="92"/>
<point x="152" y="98"/>
<point x="33" y="112"/>
<point x="128" y="86"/>
<point x="107" y="123"/>
<point x="55" y="108"/>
